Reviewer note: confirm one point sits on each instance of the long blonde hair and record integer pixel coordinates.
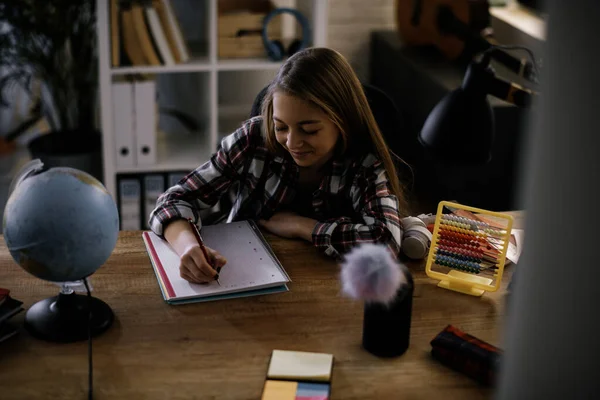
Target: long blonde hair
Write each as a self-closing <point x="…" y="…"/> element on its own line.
<point x="323" y="77"/>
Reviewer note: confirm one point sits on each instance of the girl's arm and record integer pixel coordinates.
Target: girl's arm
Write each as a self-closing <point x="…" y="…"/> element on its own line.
<point x="379" y="218"/>
<point x="203" y="187"/>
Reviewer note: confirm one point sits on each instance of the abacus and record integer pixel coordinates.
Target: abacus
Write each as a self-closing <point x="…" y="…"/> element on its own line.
<point x="468" y="248"/>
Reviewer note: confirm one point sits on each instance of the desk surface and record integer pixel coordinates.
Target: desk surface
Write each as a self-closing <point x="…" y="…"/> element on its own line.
<point x="221" y="350"/>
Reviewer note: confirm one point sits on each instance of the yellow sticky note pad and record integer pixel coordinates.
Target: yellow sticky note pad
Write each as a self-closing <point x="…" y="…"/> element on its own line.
<point x="300" y="366"/>
<point x="279" y="390"/>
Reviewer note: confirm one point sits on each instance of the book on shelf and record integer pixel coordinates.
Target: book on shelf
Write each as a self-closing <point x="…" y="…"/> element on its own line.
<point x="145" y="33"/>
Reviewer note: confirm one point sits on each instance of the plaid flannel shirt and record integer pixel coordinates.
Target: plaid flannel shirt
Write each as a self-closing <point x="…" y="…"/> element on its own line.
<point x="353" y="204"/>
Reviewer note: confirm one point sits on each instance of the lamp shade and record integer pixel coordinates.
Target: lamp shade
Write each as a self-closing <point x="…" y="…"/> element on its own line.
<point x="460" y="128"/>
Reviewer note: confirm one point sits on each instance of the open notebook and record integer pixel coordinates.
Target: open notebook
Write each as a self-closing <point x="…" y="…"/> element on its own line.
<point x="251" y="268"/>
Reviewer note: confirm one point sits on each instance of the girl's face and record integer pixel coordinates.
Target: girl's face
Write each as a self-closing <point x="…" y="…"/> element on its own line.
<point x="304" y="130"/>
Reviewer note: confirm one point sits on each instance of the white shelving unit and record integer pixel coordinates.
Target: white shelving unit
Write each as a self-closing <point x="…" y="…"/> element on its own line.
<point x="224" y="101"/>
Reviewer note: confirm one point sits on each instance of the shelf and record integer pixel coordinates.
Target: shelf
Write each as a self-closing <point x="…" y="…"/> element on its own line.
<point x="176" y="153"/>
<point x="201" y="64"/>
<point x="218" y="91"/>
<point x="523" y="19"/>
<point x="199" y="61"/>
<point x="248" y="64"/>
<point x="197" y="64"/>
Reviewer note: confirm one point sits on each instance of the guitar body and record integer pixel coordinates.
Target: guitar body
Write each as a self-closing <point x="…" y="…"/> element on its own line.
<point x="417" y="23"/>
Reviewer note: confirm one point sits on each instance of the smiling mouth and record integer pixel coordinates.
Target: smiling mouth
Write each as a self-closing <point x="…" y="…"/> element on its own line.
<point x="299" y="153"/>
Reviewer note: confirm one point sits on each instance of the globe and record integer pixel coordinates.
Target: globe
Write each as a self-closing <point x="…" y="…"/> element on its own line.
<point x="60" y="225"/>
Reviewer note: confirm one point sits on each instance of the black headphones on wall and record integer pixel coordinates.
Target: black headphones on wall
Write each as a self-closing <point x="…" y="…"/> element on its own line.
<point x="274" y="48"/>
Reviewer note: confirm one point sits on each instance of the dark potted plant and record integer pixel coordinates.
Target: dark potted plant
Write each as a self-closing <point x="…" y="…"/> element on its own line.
<point x="51" y="45"/>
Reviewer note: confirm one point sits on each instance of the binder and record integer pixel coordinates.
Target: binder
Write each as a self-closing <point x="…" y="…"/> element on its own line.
<point x="137" y="194"/>
<point x="154" y="186"/>
<point x="130" y="203"/>
<point x="123" y="127"/>
<point x="145" y="121"/>
<point x="174" y="177"/>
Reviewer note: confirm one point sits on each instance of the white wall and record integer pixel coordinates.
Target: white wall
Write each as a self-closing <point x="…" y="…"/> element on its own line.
<point x="350" y="25"/>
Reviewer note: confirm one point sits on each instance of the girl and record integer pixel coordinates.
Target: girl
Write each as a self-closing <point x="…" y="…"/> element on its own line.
<point x="312" y="166"/>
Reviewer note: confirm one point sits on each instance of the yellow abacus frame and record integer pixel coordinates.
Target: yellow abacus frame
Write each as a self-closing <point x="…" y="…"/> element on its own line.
<point x="461" y="281"/>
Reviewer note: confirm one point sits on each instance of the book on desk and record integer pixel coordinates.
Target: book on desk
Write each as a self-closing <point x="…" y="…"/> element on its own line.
<point x="9" y="307"/>
<point x="252" y="268"/>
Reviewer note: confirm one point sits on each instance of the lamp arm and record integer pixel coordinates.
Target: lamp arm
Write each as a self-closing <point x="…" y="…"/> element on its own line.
<point x="451" y="25"/>
<point x="510" y="92"/>
<point x="481" y="79"/>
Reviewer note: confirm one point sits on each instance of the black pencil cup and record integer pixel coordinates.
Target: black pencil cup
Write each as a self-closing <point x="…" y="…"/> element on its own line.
<point x="386" y="327"/>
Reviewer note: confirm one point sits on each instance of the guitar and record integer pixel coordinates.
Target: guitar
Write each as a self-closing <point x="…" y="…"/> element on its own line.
<point x="458" y="28"/>
<point x="419" y="23"/>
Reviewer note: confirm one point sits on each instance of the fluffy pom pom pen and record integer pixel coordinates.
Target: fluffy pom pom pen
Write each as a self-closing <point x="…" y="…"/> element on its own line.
<point x="371" y="274"/>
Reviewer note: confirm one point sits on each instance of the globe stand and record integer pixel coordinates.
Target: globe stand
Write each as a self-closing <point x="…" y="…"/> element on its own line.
<point x="64" y="318"/>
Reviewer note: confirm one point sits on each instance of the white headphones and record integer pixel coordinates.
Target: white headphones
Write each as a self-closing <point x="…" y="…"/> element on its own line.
<point x="416" y="238"/>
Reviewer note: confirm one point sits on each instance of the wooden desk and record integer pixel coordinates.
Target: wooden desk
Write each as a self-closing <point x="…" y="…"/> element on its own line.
<point x="220" y="350"/>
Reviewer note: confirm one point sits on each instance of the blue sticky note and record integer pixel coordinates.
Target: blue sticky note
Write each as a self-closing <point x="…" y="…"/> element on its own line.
<point x="312" y="390"/>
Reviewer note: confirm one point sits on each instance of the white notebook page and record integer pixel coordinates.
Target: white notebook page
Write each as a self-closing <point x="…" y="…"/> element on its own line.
<point x="249" y="265"/>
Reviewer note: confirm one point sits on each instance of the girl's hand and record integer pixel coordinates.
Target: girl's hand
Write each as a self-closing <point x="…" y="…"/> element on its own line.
<point x="194" y="267"/>
<point x="289" y="225"/>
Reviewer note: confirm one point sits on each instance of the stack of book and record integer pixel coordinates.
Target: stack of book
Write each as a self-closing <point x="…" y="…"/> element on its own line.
<point x="145" y="32"/>
<point x="9" y="307"/>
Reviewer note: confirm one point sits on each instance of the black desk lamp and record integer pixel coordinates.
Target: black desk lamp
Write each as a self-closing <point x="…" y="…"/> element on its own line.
<point x="460" y="128"/>
<point x="550" y="341"/>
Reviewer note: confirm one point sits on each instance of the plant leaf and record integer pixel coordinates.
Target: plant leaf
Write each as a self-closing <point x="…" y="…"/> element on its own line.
<point x="9" y="81"/>
<point x="53" y="42"/>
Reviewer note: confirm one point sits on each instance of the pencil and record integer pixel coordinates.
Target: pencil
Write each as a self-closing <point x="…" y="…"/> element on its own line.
<point x="203" y="248"/>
